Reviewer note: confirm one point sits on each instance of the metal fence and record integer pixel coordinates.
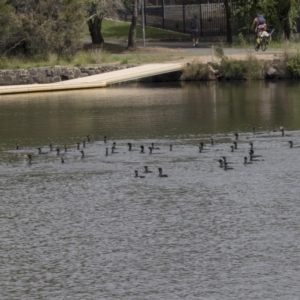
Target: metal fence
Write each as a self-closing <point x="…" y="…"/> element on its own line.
<point x="177" y="17"/>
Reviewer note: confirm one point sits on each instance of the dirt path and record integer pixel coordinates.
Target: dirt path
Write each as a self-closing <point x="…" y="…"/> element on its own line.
<point x="204" y="53"/>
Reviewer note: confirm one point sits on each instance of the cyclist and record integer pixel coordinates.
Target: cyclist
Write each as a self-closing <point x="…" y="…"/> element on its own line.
<point x="259" y="23"/>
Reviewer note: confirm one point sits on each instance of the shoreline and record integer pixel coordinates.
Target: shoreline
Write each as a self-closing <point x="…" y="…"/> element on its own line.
<point x="201" y="64"/>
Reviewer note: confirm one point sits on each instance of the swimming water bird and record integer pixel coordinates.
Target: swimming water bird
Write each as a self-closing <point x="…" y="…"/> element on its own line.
<point x="65" y="147"/>
<point x="212" y="141"/>
<point x="29" y="158"/>
<point x="171" y="147"/>
<point x="82" y="154"/>
<point x="255" y="132"/>
<point x="156" y="148"/>
<point x="78" y="146"/>
<point x="57" y="151"/>
<point x="201" y="147"/>
<point x="246" y="162"/>
<point x="50" y="147"/>
<point x="251" y="153"/>
<point x="83" y="144"/>
<point x="88" y="138"/>
<point x="221" y="163"/>
<point x="226" y="167"/>
<point x="292" y="145"/>
<point x="235" y="144"/>
<point x="160" y="174"/>
<point x="105" y="139"/>
<point x="17" y="146"/>
<point x="136" y="174"/>
<point x="142" y="149"/>
<point x="106" y="152"/>
<point x="236" y="136"/>
<point x="281" y="129"/>
<point x="150" y="150"/>
<point x="251" y="146"/>
<point x="113" y="148"/>
<point x="114" y="144"/>
<point x="147" y="170"/>
<point x="253" y="158"/>
<point x="232" y="148"/>
<point x="225" y="160"/>
<point x="62" y="159"/>
<point x="130" y="147"/>
<point x="40" y="151"/>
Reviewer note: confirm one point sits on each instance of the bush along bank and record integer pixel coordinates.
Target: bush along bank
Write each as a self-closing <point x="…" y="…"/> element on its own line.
<point x="288" y="67"/>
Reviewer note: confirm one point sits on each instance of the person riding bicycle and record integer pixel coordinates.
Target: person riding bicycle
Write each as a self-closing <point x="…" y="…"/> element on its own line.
<point x="259" y="23"/>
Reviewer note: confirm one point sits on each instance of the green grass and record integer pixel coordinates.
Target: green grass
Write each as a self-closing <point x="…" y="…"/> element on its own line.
<point x="86" y="58"/>
<point x="113" y="30"/>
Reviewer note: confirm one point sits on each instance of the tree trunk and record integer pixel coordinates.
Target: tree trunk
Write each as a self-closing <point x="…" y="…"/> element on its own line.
<point x="95" y="30"/>
<point x="228" y="21"/>
<point x="287" y="28"/>
<point x="132" y="30"/>
<point x="283" y="10"/>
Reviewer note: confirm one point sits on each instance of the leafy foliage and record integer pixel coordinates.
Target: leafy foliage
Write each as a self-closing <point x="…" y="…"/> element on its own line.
<point x="293" y="65"/>
<point x="40" y="27"/>
<point x="281" y="15"/>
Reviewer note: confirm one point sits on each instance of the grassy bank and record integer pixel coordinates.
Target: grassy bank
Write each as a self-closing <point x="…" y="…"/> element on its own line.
<point x="86" y="58"/>
<point x="288" y="67"/>
<point x="112" y="53"/>
<point x="115" y="30"/>
<point x="115" y="53"/>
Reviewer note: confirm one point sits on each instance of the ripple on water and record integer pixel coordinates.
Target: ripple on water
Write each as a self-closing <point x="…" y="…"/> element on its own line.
<point x="88" y="229"/>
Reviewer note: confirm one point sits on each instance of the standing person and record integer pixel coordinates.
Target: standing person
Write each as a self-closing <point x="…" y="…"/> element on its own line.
<point x="195" y="27"/>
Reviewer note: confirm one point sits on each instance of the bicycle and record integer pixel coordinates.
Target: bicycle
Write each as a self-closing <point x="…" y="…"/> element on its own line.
<point x="263" y="39"/>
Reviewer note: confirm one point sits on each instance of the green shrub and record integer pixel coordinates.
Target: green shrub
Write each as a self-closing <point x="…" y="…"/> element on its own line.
<point x="197" y="71"/>
<point x="4" y="63"/>
<point x="241" y="40"/>
<point x="293" y="65"/>
<point x="219" y="51"/>
<point x="232" y="69"/>
<point x="255" y="69"/>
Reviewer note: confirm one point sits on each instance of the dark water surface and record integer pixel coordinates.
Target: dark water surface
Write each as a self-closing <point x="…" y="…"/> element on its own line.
<point x="87" y="229"/>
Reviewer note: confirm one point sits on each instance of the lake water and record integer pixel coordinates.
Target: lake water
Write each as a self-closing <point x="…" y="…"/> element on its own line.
<point x="88" y="229"/>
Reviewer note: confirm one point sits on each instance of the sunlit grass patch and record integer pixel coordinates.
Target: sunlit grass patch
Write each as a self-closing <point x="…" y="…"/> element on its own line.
<point x="119" y="30"/>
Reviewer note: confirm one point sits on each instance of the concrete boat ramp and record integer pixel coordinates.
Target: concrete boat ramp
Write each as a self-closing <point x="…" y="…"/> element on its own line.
<point x="96" y="81"/>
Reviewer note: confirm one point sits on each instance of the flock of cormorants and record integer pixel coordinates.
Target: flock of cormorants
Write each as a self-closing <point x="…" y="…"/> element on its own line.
<point x="223" y="163"/>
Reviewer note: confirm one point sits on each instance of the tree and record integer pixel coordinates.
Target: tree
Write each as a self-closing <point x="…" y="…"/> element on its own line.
<point x="9" y="27"/>
<point x="227" y="6"/>
<point x="280" y="15"/>
<point x="46" y="26"/>
<point x="98" y="9"/>
<point x="132" y="30"/>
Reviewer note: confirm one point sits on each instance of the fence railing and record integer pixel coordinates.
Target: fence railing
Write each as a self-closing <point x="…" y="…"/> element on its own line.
<point x="177" y="17"/>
